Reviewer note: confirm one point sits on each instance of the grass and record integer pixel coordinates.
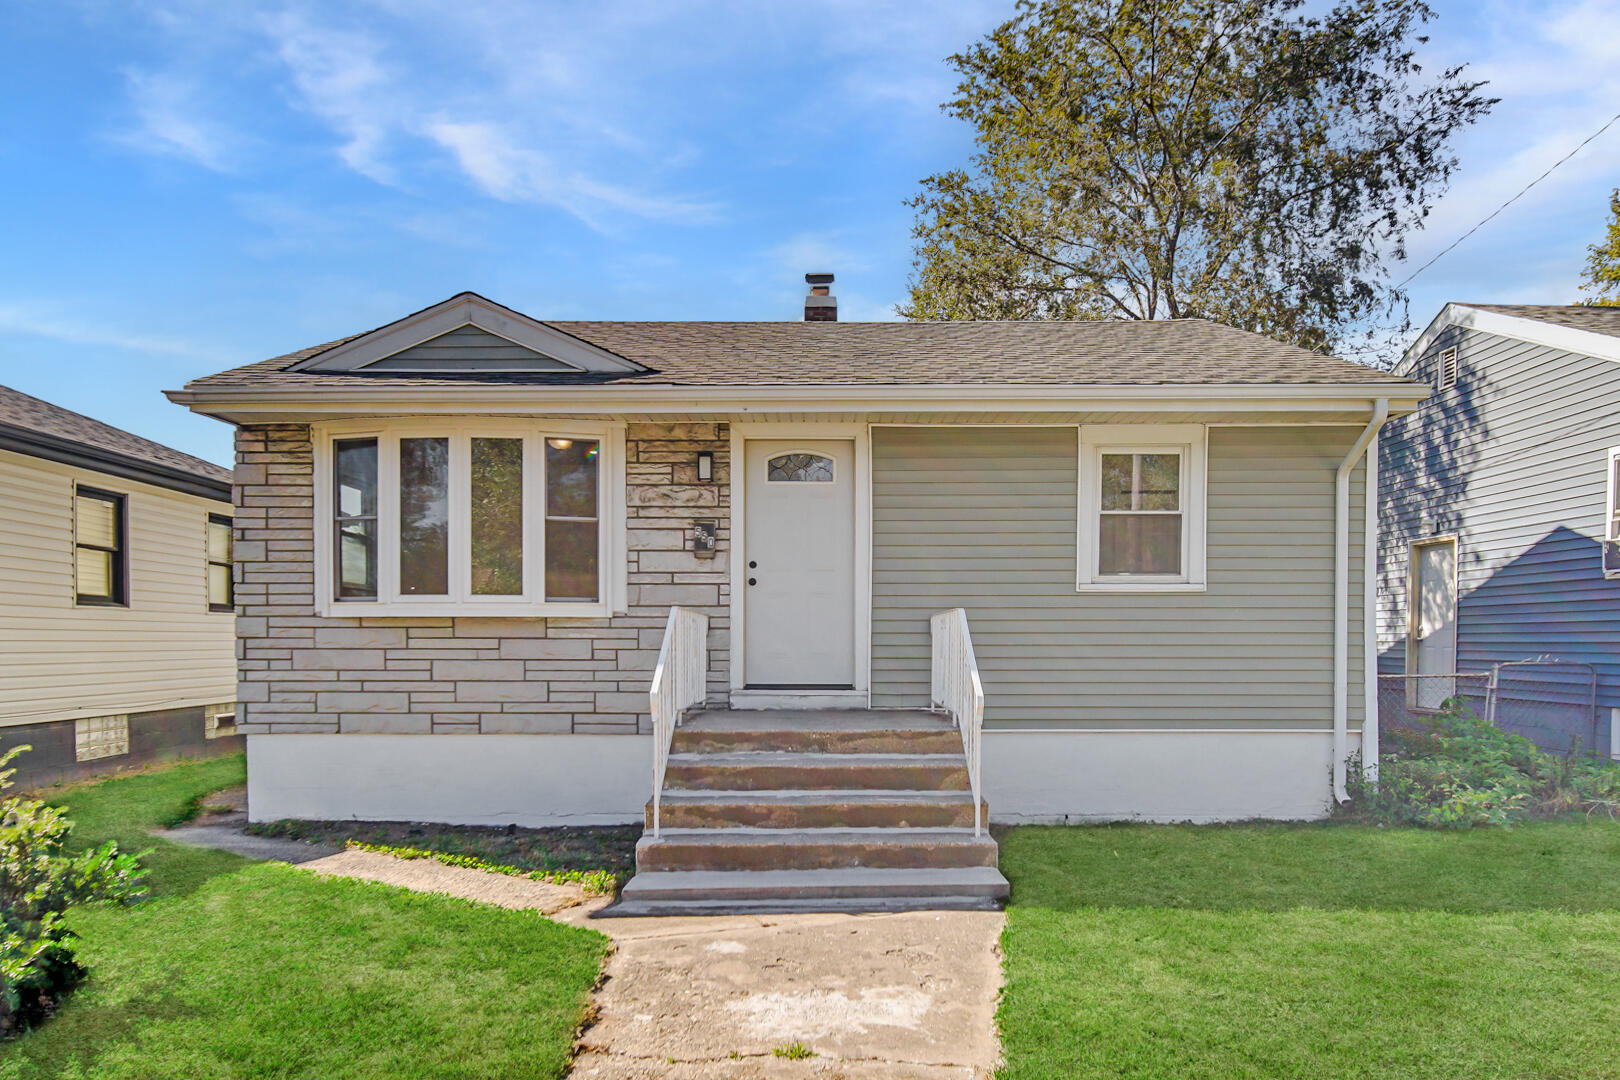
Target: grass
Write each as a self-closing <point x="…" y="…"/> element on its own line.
<point x="1322" y="951"/>
<point x="239" y="969"/>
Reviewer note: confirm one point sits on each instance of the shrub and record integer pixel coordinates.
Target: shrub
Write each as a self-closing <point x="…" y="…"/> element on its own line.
<point x="1455" y="770"/>
<point x="38" y="883"/>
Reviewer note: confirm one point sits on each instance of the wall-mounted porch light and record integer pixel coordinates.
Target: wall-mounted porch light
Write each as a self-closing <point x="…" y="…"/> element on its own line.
<point x="705" y="466"/>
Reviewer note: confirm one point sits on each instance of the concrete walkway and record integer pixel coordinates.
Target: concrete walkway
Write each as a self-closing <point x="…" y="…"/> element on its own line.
<point x="907" y="996"/>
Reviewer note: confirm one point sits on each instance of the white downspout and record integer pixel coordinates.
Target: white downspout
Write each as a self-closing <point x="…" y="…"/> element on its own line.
<point x="1341" y="596"/>
<point x="1370" y="566"/>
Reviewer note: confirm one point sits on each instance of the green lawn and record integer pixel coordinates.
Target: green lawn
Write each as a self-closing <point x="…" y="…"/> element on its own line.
<point x="1313" y="951"/>
<point x="239" y="969"/>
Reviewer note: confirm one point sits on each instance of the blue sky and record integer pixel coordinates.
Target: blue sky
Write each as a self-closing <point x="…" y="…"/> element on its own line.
<point x="194" y="185"/>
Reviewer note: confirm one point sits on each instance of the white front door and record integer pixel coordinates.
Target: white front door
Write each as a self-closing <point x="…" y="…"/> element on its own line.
<point x="1435" y="623"/>
<point x="799" y="566"/>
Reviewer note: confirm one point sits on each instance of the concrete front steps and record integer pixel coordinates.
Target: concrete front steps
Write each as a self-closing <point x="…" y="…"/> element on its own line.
<point x="837" y="810"/>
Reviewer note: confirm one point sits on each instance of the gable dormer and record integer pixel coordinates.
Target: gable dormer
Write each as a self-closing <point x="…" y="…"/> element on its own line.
<point x="465" y="335"/>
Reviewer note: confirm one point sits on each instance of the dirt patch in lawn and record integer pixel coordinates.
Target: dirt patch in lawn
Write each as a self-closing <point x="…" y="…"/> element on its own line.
<point x="597" y="847"/>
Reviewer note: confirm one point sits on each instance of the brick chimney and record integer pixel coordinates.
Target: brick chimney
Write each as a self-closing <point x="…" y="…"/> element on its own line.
<point x="820" y="305"/>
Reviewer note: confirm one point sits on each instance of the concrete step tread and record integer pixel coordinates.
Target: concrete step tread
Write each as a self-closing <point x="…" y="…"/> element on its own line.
<point x="818" y="720"/>
<point x="815" y="796"/>
<point x="766" y="837"/>
<point x="810" y="759"/>
<point x="831" y="905"/>
<point x="717" y="885"/>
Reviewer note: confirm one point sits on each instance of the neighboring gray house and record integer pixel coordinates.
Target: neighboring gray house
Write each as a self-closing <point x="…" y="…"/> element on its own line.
<point x="115" y="596"/>
<point x="1500" y="525"/>
<point x="486" y="562"/>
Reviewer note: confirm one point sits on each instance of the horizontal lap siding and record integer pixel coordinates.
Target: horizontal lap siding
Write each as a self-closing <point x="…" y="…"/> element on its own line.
<point x="985" y="519"/>
<point x="166" y="650"/>
<point x="1513" y="462"/>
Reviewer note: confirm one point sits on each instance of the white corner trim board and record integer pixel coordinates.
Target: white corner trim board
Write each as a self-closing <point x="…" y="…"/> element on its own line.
<point x="525" y="780"/>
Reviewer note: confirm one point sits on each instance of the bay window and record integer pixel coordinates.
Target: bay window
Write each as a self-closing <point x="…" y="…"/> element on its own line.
<point x="466" y="518"/>
<point x="1141" y="507"/>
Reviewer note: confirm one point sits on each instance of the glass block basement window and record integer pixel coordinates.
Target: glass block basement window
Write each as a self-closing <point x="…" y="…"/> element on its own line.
<point x="100" y="737"/>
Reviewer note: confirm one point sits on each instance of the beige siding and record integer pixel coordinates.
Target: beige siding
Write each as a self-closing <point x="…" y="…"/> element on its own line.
<point x="984" y="518"/>
<point x="60" y="660"/>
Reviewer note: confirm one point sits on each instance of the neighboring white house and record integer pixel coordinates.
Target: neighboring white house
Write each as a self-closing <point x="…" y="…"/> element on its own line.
<point x="115" y="596"/>
<point x="461" y="535"/>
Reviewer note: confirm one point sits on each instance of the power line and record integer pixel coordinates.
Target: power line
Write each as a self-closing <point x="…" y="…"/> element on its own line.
<point x="1511" y="201"/>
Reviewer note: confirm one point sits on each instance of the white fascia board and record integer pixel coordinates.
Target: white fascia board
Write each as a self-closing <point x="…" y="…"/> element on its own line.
<point x="244" y="404"/>
<point x="464" y="310"/>
<point x="1519" y="327"/>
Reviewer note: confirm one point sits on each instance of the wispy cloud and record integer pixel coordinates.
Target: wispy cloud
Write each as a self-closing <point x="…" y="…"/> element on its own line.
<point x="507" y="170"/>
<point x="170" y="121"/>
<point x="16" y="319"/>
<point x="337" y="74"/>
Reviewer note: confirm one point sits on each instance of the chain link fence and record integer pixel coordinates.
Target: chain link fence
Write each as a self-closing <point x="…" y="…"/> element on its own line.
<point x="1553" y="703"/>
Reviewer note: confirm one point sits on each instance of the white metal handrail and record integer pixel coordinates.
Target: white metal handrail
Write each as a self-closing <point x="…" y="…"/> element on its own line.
<point x="958" y="691"/>
<point x="679" y="683"/>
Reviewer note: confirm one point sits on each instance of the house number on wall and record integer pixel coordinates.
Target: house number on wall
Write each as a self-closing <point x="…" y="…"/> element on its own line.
<point x="703" y="530"/>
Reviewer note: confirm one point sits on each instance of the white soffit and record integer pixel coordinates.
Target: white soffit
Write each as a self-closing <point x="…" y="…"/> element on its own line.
<point x="468" y="309"/>
<point x="1520" y="327"/>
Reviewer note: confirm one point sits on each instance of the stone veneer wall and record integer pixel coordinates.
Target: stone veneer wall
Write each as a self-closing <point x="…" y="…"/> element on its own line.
<point x="299" y="672"/>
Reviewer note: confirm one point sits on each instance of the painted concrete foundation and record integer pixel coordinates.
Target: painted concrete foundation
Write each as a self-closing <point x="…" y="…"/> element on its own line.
<point x="526" y="780"/>
<point x="537" y="780"/>
<point x="1195" y="776"/>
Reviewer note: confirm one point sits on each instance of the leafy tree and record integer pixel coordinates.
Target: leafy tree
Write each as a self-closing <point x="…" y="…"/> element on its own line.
<point x="38" y="882"/>
<point x="1602" y="274"/>
<point x="1226" y="159"/>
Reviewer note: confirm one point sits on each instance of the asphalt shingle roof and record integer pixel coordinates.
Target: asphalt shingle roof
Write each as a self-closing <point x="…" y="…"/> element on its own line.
<point x="21" y="411"/>
<point x="1597" y="320"/>
<point x="1190" y="352"/>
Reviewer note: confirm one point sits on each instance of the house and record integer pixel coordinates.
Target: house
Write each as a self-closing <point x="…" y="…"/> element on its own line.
<point x="485" y="560"/>
<point x="1501" y="538"/>
<point x="115" y="596"/>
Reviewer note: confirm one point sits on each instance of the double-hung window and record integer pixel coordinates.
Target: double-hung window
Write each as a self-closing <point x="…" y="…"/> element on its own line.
<point x="1611" y="518"/>
<point x="1141" y="494"/>
<point x="466" y="518"/>
<point x="221" y="596"/>
<point x="100" y="542"/>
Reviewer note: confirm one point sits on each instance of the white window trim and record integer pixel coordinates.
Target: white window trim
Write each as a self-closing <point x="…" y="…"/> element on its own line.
<point x="1191" y="441"/>
<point x="1611" y="511"/>
<point x="613" y="581"/>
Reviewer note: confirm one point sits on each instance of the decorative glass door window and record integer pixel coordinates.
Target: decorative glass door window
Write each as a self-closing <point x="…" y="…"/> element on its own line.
<point x="799" y="468"/>
<point x="1140" y="527"/>
<point x="467" y="518"/>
